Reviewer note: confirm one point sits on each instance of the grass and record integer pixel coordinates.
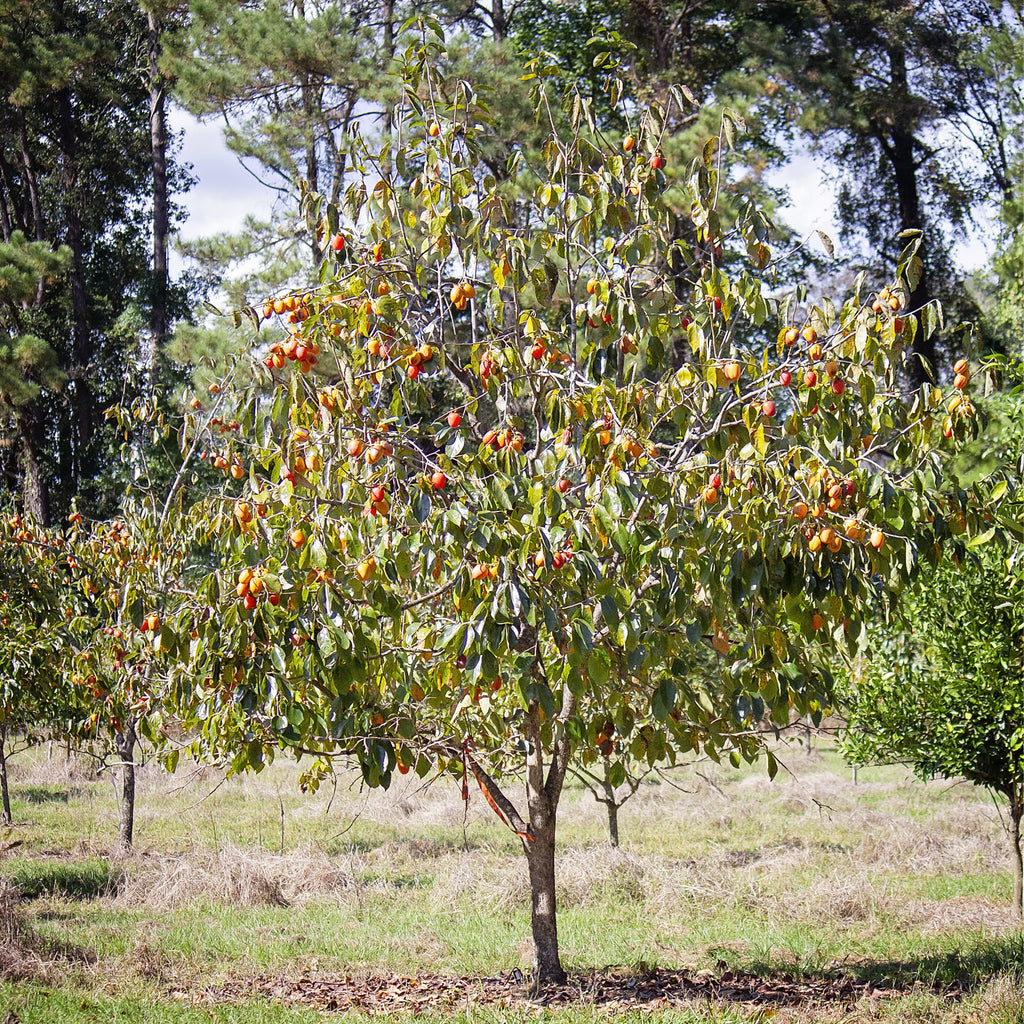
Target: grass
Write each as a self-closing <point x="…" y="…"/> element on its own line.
<point x="888" y="881"/>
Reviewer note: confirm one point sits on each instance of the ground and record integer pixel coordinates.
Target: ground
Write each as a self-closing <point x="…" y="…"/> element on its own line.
<point x="732" y="898"/>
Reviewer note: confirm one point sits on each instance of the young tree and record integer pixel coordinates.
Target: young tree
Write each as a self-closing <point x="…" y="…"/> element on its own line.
<point x="473" y="510"/>
<point x="44" y="600"/>
<point x="945" y="694"/>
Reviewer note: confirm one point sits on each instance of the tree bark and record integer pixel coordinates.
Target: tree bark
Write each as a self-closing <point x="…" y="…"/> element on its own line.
<point x="310" y="108"/>
<point x="158" y="318"/>
<point x="611" y="804"/>
<point x="542" y="795"/>
<point x="31" y="183"/>
<point x="124" y="744"/>
<point x="613" y="820"/>
<point x="540" y="856"/>
<point x="499" y="21"/>
<point x="35" y="497"/>
<point x="81" y="334"/>
<point x="899" y="144"/>
<point x="5" y="793"/>
<point x="7" y="207"/>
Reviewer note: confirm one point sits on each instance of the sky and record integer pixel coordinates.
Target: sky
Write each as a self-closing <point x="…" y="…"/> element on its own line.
<point x="225" y="192"/>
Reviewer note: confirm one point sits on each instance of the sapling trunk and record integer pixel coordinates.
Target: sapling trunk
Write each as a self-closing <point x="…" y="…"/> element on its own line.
<point x="613" y="820"/>
<point x="5" y="793"/>
<point x="1016" y="813"/>
<point x="124" y="743"/>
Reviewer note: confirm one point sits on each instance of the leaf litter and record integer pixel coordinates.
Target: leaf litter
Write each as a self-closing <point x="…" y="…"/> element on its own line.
<point x="608" y="988"/>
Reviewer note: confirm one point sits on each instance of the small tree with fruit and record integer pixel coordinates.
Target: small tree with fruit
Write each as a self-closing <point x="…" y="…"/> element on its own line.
<point x="80" y="632"/>
<point x="34" y="600"/>
<point x="519" y="449"/>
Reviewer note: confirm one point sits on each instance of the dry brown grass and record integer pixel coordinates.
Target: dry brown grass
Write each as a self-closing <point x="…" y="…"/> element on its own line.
<point x="236" y="877"/>
<point x="15" y="938"/>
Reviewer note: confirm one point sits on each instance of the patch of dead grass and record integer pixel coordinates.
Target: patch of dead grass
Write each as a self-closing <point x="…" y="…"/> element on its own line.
<point x="238" y="878"/>
<point x="938" y="917"/>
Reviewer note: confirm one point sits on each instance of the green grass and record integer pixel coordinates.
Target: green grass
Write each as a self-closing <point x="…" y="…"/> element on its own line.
<point x="78" y="879"/>
<point x="890" y="881"/>
<point x="37" y="1004"/>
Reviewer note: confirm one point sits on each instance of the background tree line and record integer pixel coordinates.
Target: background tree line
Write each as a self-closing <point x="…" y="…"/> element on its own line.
<point x="912" y="110"/>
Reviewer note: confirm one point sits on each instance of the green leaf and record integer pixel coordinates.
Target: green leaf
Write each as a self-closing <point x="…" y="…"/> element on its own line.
<point x="663" y="700"/>
<point x="609" y="610"/>
<point x="982" y="538"/>
<point x="598" y="668"/>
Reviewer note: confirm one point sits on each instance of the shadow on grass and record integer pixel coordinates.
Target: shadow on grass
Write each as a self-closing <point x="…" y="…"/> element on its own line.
<point x="966" y="967"/>
<point x="78" y="880"/>
<point x="49" y="794"/>
<point x="960" y="970"/>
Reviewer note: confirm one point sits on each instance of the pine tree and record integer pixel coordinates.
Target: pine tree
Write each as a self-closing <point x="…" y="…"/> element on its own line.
<point x="74" y="168"/>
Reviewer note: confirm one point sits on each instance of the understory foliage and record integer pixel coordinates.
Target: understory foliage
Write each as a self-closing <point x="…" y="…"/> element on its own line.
<point x="944" y="694"/>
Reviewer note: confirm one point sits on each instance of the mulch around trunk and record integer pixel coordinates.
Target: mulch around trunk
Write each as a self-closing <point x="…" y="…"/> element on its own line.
<point x="609" y="988"/>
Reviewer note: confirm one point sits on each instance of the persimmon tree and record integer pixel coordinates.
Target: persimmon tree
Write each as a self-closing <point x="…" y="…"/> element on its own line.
<point x="79" y="636"/>
<point x="497" y="477"/>
<point x="31" y="600"/>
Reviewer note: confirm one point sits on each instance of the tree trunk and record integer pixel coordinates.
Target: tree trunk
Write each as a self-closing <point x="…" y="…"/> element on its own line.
<point x="540" y="855"/>
<point x="38" y="220"/>
<point x="5" y="794"/>
<point x="1016" y="813"/>
<point x="35" y="497"/>
<point x="542" y="797"/>
<point x="81" y="334"/>
<point x="158" y="324"/>
<point x="7" y="204"/>
<point x="124" y="744"/>
<point x="613" y="820"/>
<point x="499" y="21"/>
<point x="899" y="144"/>
<point x="311" y="108"/>
<point x="610" y="803"/>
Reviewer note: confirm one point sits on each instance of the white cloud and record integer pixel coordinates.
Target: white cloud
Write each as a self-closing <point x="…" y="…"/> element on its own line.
<point x="224" y="192"/>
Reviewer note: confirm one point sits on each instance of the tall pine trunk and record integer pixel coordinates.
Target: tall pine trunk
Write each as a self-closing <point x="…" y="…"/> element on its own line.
<point x="158" y="316"/>
<point x="35" y="495"/>
<point x="899" y="143"/>
<point x="74" y="453"/>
